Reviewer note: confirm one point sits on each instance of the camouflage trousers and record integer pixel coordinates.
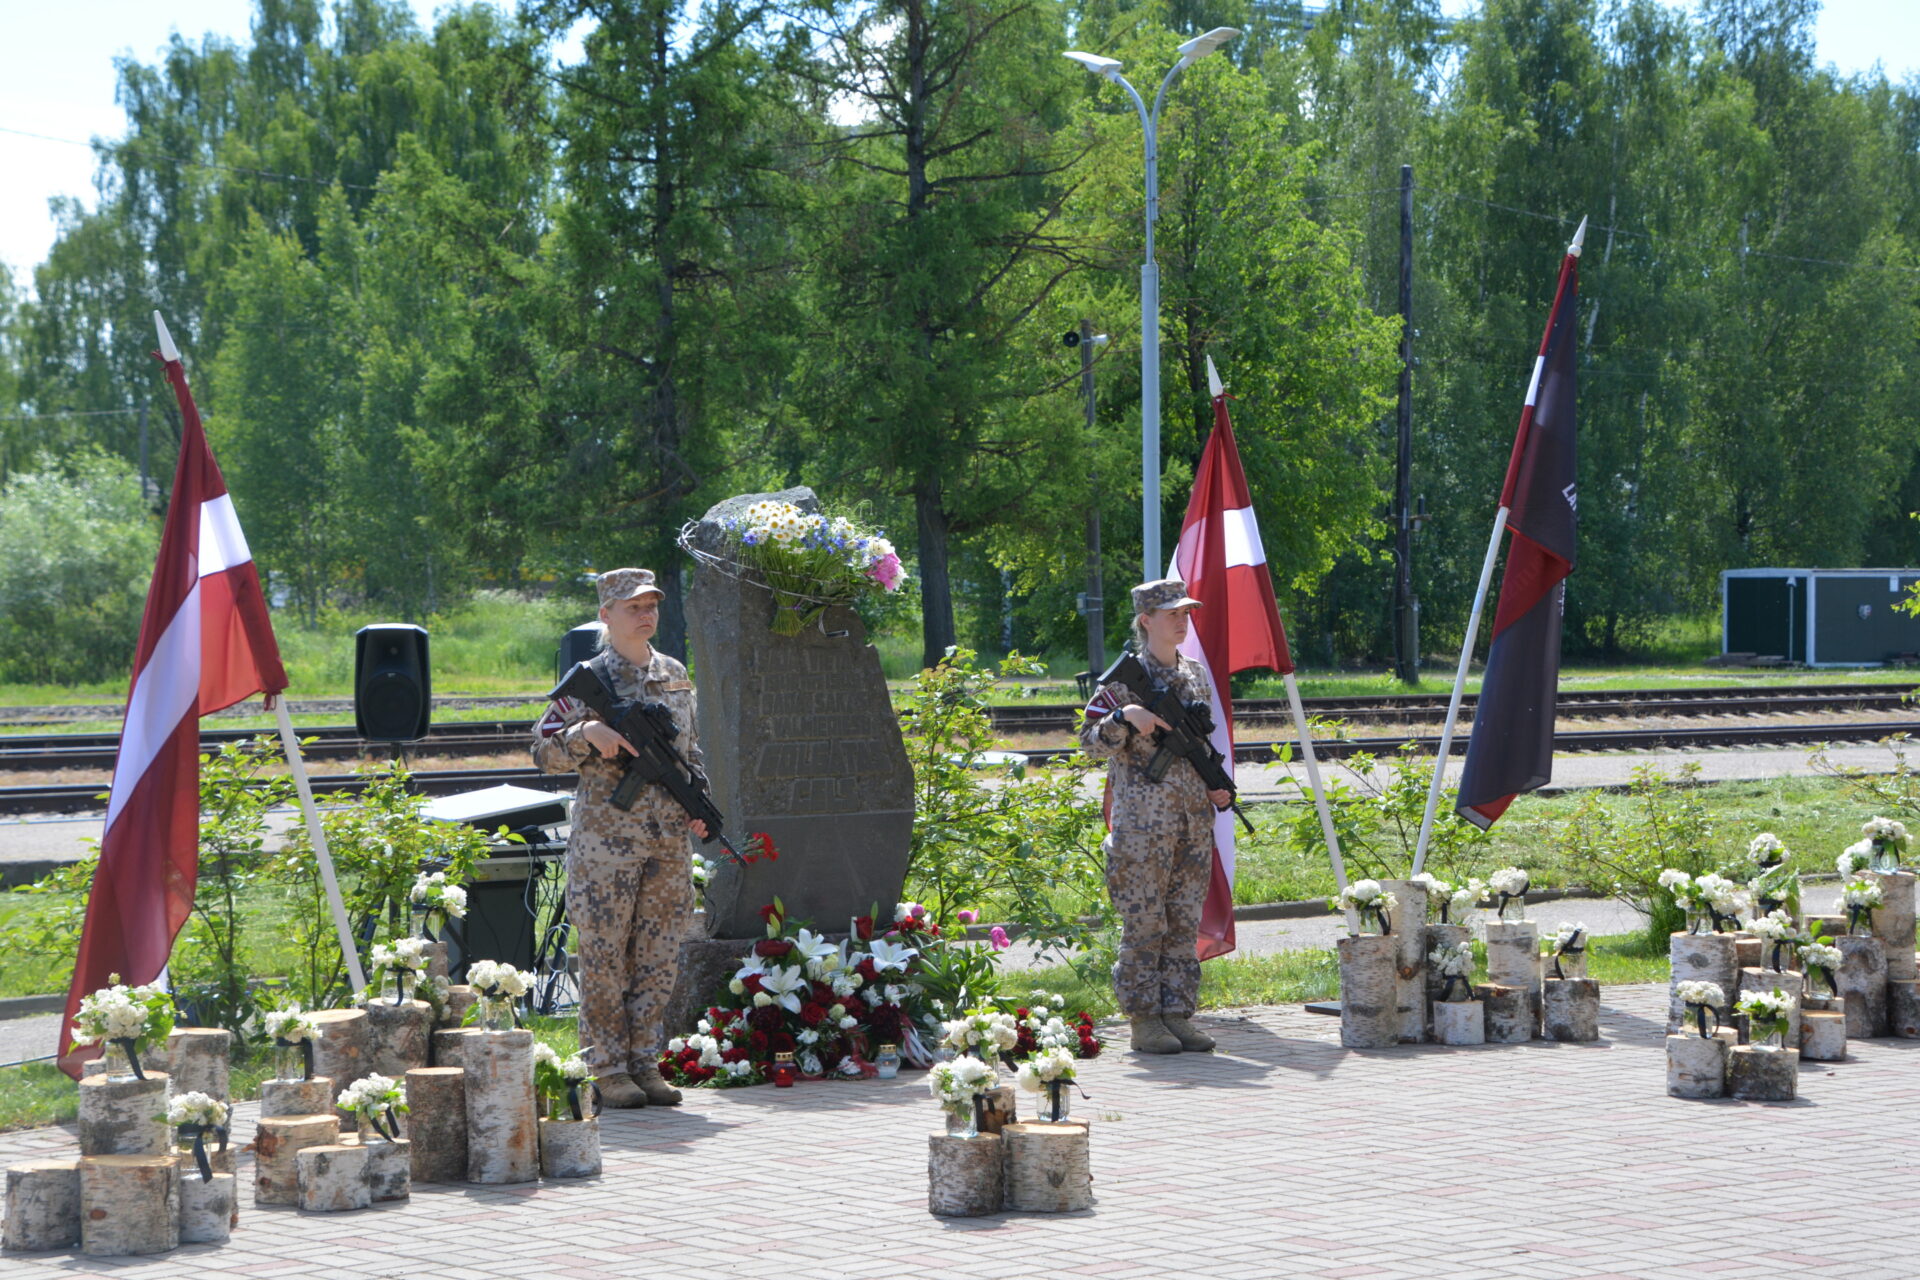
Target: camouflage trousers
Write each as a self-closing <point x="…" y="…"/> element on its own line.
<point x="1157" y="874"/>
<point x="629" y="898"/>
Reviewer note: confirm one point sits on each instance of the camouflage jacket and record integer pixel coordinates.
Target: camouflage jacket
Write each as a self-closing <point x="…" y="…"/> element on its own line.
<point x="560" y="744"/>
<point x="1105" y="736"/>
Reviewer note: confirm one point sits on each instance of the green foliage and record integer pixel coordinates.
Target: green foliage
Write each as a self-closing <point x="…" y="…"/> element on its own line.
<point x="1893" y="792"/>
<point x="1378" y="821"/>
<point x="988" y="836"/>
<point x="1666" y="823"/>
<point x="76" y="550"/>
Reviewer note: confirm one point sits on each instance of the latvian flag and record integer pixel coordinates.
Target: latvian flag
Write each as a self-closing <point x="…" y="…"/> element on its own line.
<point x="1237" y="627"/>
<point x="205" y="644"/>
<point x="1511" y="749"/>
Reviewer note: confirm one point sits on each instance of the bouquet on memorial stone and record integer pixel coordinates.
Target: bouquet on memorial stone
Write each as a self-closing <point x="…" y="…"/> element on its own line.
<point x="564" y="1085"/>
<point x="437" y="900"/>
<point x="1861" y="896"/>
<point x="811" y="560"/>
<point x="405" y="960"/>
<point x="1767" y="1013"/>
<point x="1368" y="901"/>
<point x="371" y="1097"/>
<point x="134" y="1019"/>
<point x="1453" y="961"/>
<point x="1821" y="960"/>
<point x="1889" y="840"/>
<point x="1700" y="997"/>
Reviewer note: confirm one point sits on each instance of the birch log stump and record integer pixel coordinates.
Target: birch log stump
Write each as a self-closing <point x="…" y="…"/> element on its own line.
<point x="1369" y="991"/>
<point x="1570" y="1009"/>
<point x="276" y="1142"/>
<point x="1749" y="951"/>
<point x="197" y="1059"/>
<point x="1513" y="960"/>
<point x="333" y="1179"/>
<point x="296" y="1097"/>
<point x="1509" y="1010"/>
<point x="1756" y="1073"/>
<point x="209" y="1209"/>
<point x="217" y="1160"/>
<point x="1863" y="981"/>
<point x="342" y="1052"/>
<point x="389" y="1165"/>
<point x="503" y="1143"/>
<point x="1409" y="921"/>
<point x="1441" y="935"/>
<point x="459" y="1000"/>
<point x="1697" y="1066"/>
<point x="436" y="953"/>
<point x="1460" y="1022"/>
<point x="124" y="1116"/>
<point x="1047" y="1168"/>
<point x="397" y="1036"/>
<point x="964" y="1175"/>
<point x="1789" y="983"/>
<point x="437" y="1123"/>
<point x="1903" y="1008"/>
<point x="1893" y="922"/>
<point x="1823" y="1035"/>
<point x="450" y="1045"/>
<point x="43" y="1205"/>
<point x="570" y="1148"/>
<point x="129" y="1206"/>
<point x="1700" y="957"/>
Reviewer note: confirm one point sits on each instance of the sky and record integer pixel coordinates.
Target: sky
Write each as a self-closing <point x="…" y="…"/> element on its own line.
<point x="57" y="81"/>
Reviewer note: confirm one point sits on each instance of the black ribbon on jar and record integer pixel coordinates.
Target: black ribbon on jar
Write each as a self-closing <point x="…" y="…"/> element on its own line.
<point x="1774" y="962"/>
<point x="1700" y="1012"/>
<point x="1446" y="988"/>
<point x="131" y="1047"/>
<point x="980" y="1112"/>
<point x="1500" y="907"/>
<point x="1770" y="905"/>
<point x="1731" y="923"/>
<point x="390" y="1130"/>
<point x="1856" y="916"/>
<point x="1446" y="905"/>
<point x="1826" y="975"/>
<point x="1379" y="913"/>
<point x="573" y="1098"/>
<point x="1054" y="1089"/>
<point x="306" y="1053"/>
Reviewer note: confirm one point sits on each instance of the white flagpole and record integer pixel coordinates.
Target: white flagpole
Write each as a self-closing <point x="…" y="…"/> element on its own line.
<point x="1459" y="684"/>
<point x="320" y="852"/>
<point x="1313" y="777"/>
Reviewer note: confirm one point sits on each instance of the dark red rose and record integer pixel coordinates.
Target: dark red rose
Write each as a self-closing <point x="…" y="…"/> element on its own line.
<point x="863" y="928"/>
<point x="866" y="970"/>
<point x="781" y="1042"/>
<point x="758" y="1041"/>
<point x="813" y="1013"/>
<point x="772" y="948"/>
<point x="767" y="1019"/>
<point x="735" y="1054"/>
<point x="751" y="985"/>
<point x="823" y="993"/>
<point x="856" y="1006"/>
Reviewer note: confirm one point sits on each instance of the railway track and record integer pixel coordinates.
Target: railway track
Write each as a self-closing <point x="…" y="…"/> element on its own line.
<point x="84" y="798"/>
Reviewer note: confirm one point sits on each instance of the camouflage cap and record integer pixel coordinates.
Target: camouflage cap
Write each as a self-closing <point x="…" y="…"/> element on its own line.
<point x="1168" y="593"/>
<point x="625" y="584"/>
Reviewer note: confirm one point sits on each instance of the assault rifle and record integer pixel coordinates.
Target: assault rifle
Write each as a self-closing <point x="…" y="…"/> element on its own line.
<point x="649" y="726"/>
<point x="1190" y="726"/>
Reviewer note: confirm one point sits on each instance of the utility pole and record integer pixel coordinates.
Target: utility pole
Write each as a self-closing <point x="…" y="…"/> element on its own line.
<point x="1094" y="608"/>
<point x="1406" y="663"/>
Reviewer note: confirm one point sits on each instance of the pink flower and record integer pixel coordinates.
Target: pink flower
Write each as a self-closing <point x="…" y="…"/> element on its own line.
<point x="968" y="916"/>
<point x="886" y="571"/>
<point x="999" y="938"/>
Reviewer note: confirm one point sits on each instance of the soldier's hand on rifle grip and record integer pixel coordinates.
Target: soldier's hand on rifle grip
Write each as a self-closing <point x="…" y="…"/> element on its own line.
<point x="1221" y="799"/>
<point x="604" y="740"/>
<point x="1143" y="720"/>
<point x="699" y="827"/>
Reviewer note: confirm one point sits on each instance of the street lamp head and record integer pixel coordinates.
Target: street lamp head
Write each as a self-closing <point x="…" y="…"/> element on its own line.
<point x="1108" y="67"/>
<point x="1202" y="45"/>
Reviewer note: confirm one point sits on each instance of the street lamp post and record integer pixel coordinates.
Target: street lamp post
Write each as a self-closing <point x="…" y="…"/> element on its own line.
<point x="1191" y="52"/>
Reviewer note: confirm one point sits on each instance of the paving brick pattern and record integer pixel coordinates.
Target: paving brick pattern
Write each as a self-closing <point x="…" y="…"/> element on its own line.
<point x="1283" y="1155"/>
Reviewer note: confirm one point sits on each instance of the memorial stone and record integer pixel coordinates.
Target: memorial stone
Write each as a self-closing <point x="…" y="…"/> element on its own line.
<point x="801" y="742"/>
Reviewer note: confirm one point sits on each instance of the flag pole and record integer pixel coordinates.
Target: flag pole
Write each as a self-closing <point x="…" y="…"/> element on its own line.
<point x="322" y="855"/>
<point x="1486" y="578"/>
<point x="1313" y="777"/>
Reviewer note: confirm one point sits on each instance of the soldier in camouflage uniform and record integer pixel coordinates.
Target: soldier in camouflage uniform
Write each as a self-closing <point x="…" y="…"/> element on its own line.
<point x="1160" y="847"/>
<point x="629" y="874"/>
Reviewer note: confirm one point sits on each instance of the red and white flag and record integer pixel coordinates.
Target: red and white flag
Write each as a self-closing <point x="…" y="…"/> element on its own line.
<point x="1237" y="627"/>
<point x="205" y="644"/>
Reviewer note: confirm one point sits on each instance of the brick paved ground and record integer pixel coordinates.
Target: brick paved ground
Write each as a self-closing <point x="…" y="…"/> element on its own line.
<point x="1284" y="1155"/>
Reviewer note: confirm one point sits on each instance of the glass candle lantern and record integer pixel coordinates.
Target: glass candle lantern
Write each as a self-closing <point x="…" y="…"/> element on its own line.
<point x="888" y="1062"/>
<point x="784" y="1072"/>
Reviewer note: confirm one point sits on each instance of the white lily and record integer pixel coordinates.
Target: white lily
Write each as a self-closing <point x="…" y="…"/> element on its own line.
<point x="810" y="946"/>
<point x="754" y="964"/>
<point x="784" y="984"/>
<point x="892" y="955"/>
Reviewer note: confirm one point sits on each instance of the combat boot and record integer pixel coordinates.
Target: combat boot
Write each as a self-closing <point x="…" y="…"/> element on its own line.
<point x="1191" y="1038"/>
<point x="1150" y="1035"/>
<point x="658" y="1092"/>
<point x="619" y="1090"/>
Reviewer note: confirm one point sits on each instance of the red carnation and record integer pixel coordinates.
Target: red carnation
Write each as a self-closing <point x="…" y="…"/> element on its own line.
<point x="772" y="948"/>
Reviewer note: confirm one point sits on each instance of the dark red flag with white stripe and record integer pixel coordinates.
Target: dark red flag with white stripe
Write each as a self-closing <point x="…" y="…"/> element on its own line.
<point x="1511" y="749"/>
<point x="1237" y="627"/>
<point x="205" y="644"/>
